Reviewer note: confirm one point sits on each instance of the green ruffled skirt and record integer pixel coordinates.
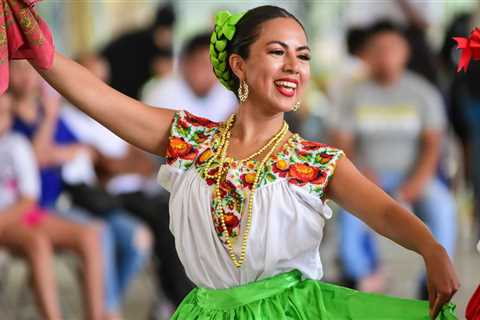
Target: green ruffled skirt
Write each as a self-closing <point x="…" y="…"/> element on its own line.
<point x="287" y="296"/>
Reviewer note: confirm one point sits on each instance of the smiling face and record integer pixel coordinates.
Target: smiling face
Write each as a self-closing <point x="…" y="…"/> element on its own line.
<point x="277" y="68"/>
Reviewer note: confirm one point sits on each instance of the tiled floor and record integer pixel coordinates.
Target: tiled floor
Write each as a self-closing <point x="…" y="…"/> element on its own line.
<point x="402" y="269"/>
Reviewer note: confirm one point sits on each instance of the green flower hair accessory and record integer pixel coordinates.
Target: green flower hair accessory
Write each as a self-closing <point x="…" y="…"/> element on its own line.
<point x="224" y="31"/>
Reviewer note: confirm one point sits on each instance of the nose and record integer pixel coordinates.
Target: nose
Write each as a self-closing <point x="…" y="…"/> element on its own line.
<point x="291" y="64"/>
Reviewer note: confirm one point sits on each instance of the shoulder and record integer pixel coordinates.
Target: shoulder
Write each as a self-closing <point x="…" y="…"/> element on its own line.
<point x="315" y="151"/>
<point x="417" y="83"/>
<point x="308" y="163"/>
<point x="188" y="134"/>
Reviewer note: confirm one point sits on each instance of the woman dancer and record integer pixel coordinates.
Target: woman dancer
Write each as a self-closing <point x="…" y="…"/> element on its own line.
<point x="247" y="196"/>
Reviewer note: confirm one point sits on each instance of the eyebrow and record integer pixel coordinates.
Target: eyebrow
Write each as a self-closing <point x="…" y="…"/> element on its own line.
<point x="284" y="45"/>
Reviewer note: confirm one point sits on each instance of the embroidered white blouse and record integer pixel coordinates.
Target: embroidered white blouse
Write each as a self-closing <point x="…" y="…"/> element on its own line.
<point x="289" y="210"/>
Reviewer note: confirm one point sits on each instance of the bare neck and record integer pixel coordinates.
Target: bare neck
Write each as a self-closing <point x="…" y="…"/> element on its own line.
<point x="253" y="125"/>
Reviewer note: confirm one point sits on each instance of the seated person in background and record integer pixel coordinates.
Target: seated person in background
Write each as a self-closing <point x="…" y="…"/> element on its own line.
<point x="128" y="175"/>
<point x="392" y="126"/>
<point x="28" y="230"/>
<point x="125" y="242"/>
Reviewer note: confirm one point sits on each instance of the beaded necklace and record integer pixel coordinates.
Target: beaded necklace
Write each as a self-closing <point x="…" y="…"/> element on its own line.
<point x="223" y="166"/>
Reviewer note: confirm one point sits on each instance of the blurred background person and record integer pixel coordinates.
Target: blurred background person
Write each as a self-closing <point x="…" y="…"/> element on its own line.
<point x="141" y="48"/>
<point x="57" y="149"/>
<point x="195" y="87"/>
<point x="416" y="17"/>
<point x="30" y="230"/>
<point x="392" y="126"/>
<point x="127" y="174"/>
<point x="464" y="102"/>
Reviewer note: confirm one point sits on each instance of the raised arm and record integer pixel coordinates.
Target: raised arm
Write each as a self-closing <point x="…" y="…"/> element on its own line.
<point x="369" y="203"/>
<point x="143" y="126"/>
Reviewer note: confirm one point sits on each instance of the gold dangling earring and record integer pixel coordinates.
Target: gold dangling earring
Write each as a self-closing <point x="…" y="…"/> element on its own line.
<point x="243" y="91"/>
<point x="296" y="106"/>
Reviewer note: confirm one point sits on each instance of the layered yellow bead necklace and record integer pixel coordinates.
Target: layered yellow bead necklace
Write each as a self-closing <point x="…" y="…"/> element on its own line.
<point x="221" y="155"/>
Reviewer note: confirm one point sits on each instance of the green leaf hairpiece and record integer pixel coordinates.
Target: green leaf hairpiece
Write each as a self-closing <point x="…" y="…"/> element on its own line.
<point x="224" y="31"/>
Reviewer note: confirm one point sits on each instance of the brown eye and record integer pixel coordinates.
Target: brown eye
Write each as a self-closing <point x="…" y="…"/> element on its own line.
<point x="277" y="52"/>
<point x="305" y="57"/>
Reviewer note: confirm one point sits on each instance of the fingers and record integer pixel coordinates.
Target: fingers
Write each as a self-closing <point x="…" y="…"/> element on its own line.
<point x="439" y="299"/>
<point x="435" y="307"/>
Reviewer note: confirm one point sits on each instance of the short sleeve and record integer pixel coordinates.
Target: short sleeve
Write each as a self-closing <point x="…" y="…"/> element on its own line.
<point x="311" y="169"/>
<point x="188" y="135"/>
<point x="26" y="169"/>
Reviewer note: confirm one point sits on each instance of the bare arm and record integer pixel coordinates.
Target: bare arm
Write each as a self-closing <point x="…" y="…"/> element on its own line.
<point x="369" y="203"/>
<point x="143" y="126"/>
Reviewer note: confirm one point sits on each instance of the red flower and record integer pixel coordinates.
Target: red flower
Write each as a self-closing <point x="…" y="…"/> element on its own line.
<point x="312" y="145"/>
<point x="182" y="123"/>
<point x="201" y="137"/>
<point x="231" y="222"/>
<point x="199" y="121"/>
<point x="226" y="187"/>
<point x="281" y="168"/>
<point x="301" y="174"/>
<point x="212" y="172"/>
<point x="248" y="179"/>
<point x="205" y="156"/>
<point x="324" y="158"/>
<point x="179" y="148"/>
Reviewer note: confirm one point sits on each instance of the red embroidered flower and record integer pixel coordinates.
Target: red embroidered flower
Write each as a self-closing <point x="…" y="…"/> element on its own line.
<point x="248" y="179"/>
<point x="200" y="137"/>
<point x="231" y="222"/>
<point x="301" y="174"/>
<point x="226" y="187"/>
<point x="199" y="121"/>
<point x="205" y="156"/>
<point x="179" y="148"/>
<point x="182" y="123"/>
<point x="324" y="158"/>
<point x="280" y="168"/>
<point x="212" y="172"/>
<point x="312" y="145"/>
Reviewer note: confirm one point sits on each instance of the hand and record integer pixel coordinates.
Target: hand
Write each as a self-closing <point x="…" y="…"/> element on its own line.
<point x="410" y="191"/>
<point x="442" y="281"/>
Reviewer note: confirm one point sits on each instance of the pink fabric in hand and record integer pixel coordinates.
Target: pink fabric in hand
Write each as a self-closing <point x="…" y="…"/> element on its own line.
<point x="23" y="35"/>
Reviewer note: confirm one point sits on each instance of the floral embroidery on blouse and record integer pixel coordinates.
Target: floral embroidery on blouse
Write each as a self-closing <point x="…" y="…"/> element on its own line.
<point x="303" y="163"/>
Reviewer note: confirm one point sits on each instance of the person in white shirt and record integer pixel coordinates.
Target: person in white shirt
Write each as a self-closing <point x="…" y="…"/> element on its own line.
<point x="196" y="88"/>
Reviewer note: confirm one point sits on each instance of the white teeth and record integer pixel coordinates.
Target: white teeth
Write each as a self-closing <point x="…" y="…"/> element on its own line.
<point x="287" y="84"/>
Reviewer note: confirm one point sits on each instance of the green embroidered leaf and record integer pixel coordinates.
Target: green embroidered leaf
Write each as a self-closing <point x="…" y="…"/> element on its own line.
<point x="271" y="177"/>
